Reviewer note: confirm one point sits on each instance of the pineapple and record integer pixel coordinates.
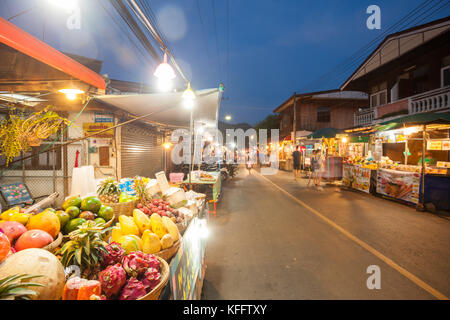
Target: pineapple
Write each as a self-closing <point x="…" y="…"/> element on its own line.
<point x="109" y="191"/>
<point x="13" y="287"/>
<point x="85" y="248"/>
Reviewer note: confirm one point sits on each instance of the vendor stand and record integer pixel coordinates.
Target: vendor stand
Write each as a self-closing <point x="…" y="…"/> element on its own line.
<point x="413" y="167"/>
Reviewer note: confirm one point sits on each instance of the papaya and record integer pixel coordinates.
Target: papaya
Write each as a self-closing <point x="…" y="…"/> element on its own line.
<point x="47" y="221"/>
<point x="128" y="226"/>
<point x="89" y="288"/>
<point x="71" y="201"/>
<point x="150" y="242"/>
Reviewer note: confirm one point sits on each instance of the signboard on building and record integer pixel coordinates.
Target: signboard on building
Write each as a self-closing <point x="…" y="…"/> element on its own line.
<point x="103" y="117"/>
<point x="434" y="145"/>
<point x="90" y="128"/>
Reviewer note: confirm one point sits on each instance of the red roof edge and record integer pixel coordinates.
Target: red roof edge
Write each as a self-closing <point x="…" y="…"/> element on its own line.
<point x="16" y="38"/>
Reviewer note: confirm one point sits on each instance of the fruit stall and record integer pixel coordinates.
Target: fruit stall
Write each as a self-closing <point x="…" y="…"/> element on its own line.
<point x="135" y="239"/>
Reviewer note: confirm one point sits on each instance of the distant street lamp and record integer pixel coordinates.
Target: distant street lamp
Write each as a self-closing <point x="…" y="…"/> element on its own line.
<point x="228" y="117"/>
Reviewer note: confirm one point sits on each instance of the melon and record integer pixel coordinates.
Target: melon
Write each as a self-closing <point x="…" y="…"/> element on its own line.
<point x="37" y="262"/>
<point x="33" y="239"/>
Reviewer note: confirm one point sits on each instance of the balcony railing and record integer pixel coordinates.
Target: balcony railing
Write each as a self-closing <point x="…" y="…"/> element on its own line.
<point x="364" y="117"/>
<point x="433" y="100"/>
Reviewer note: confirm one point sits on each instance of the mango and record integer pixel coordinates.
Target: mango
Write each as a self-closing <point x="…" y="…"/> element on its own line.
<point x="171" y="228"/>
<point x="138" y="240"/>
<point x="150" y="242"/>
<point x="128" y="226"/>
<point x="141" y="220"/>
<point x="129" y="244"/>
<point x="116" y="233"/>
<point x="159" y="229"/>
<point x="20" y="217"/>
<point x="167" y="241"/>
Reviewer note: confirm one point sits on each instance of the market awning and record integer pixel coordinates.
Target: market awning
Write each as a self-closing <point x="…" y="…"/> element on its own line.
<point x="421" y="118"/>
<point x="14" y="37"/>
<point x="324" y="133"/>
<point x="168" y="109"/>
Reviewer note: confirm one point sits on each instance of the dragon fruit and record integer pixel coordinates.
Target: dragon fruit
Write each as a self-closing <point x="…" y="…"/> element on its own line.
<point x="151" y="279"/>
<point x="132" y="290"/>
<point x="136" y="263"/>
<point x="115" y="254"/>
<point x="113" y="278"/>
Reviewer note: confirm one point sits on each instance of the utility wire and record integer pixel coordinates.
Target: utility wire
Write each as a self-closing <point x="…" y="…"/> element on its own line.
<point x="155" y="33"/>
<point x="344" y="74"/>
<point x="363" y="51"/>
<point x="202" y="26"/>
<point x="213" y="7"/>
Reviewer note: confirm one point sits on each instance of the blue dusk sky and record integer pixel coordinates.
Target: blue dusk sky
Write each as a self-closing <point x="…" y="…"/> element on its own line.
<point x="268" y="50"/>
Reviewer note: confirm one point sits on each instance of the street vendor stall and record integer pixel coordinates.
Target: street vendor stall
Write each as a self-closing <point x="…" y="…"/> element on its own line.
<point x="413" y="166"/>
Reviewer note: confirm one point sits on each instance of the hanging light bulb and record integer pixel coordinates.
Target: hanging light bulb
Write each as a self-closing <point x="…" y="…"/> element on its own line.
<point x="188" y="97"/>
<point x="71" y="93"/>
<point x="164" y="71"/>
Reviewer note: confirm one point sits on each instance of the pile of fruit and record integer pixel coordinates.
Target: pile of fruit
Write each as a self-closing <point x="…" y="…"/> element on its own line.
<point x="36" y="231"/>
<point x="162" y="208"/>
<point x="141" y="233"/>
<point x="123" y="276"/>
<point x="109" y="192"/>
<point x="76" y="211"/>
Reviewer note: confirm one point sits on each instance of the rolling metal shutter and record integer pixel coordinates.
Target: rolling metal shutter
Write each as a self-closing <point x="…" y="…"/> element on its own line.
<point x="141" y="152"/>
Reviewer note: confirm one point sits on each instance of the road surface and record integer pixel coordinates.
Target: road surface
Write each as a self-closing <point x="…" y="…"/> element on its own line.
<point x="273" y="238"/>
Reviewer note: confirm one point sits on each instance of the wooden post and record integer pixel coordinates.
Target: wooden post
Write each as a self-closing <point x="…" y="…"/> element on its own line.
<point x="295" y="119"/>
<point x="421" y="204"/>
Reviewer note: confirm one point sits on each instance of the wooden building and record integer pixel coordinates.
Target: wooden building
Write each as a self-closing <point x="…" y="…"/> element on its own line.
<point x="318" y="110"/>
<point x="408" y="73"/>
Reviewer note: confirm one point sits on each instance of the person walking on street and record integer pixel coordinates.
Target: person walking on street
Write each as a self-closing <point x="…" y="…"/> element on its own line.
<point x="296" y="162"/>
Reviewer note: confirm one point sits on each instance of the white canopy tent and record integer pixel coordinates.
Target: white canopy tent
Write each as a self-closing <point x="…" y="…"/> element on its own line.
<point x="168" y="108"/>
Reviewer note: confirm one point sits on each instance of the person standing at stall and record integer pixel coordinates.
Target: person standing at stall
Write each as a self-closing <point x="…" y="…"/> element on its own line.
<point x="313" y="165"/>
<point x="296" y="161"/>
<point x="320" y="169"/>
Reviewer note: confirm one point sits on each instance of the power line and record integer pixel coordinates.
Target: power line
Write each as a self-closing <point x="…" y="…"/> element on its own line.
<point x="213" y="7"/>
<point x="356" y="57"/>
<point x="156" y="35"/>
<point x="202" y="26"/>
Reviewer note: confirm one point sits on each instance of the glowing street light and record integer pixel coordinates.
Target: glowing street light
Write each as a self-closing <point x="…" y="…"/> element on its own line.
<point x="71" y="93"/>
<point x="164" y="71"/>
<point x="68" y="5"/>
<point x="188" y="97"/>
<point x="167" y="145"/>
<point x="228" y="117"/>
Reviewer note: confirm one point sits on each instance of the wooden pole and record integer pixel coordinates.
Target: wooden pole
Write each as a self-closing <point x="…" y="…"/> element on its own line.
<point x="421" y="204"/>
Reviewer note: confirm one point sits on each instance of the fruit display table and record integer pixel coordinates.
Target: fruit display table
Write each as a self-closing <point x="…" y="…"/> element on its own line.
<point x="215" y="185"/>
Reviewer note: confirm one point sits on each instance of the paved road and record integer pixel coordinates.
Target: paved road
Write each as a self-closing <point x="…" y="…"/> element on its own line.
<point x="265" y="244"/>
